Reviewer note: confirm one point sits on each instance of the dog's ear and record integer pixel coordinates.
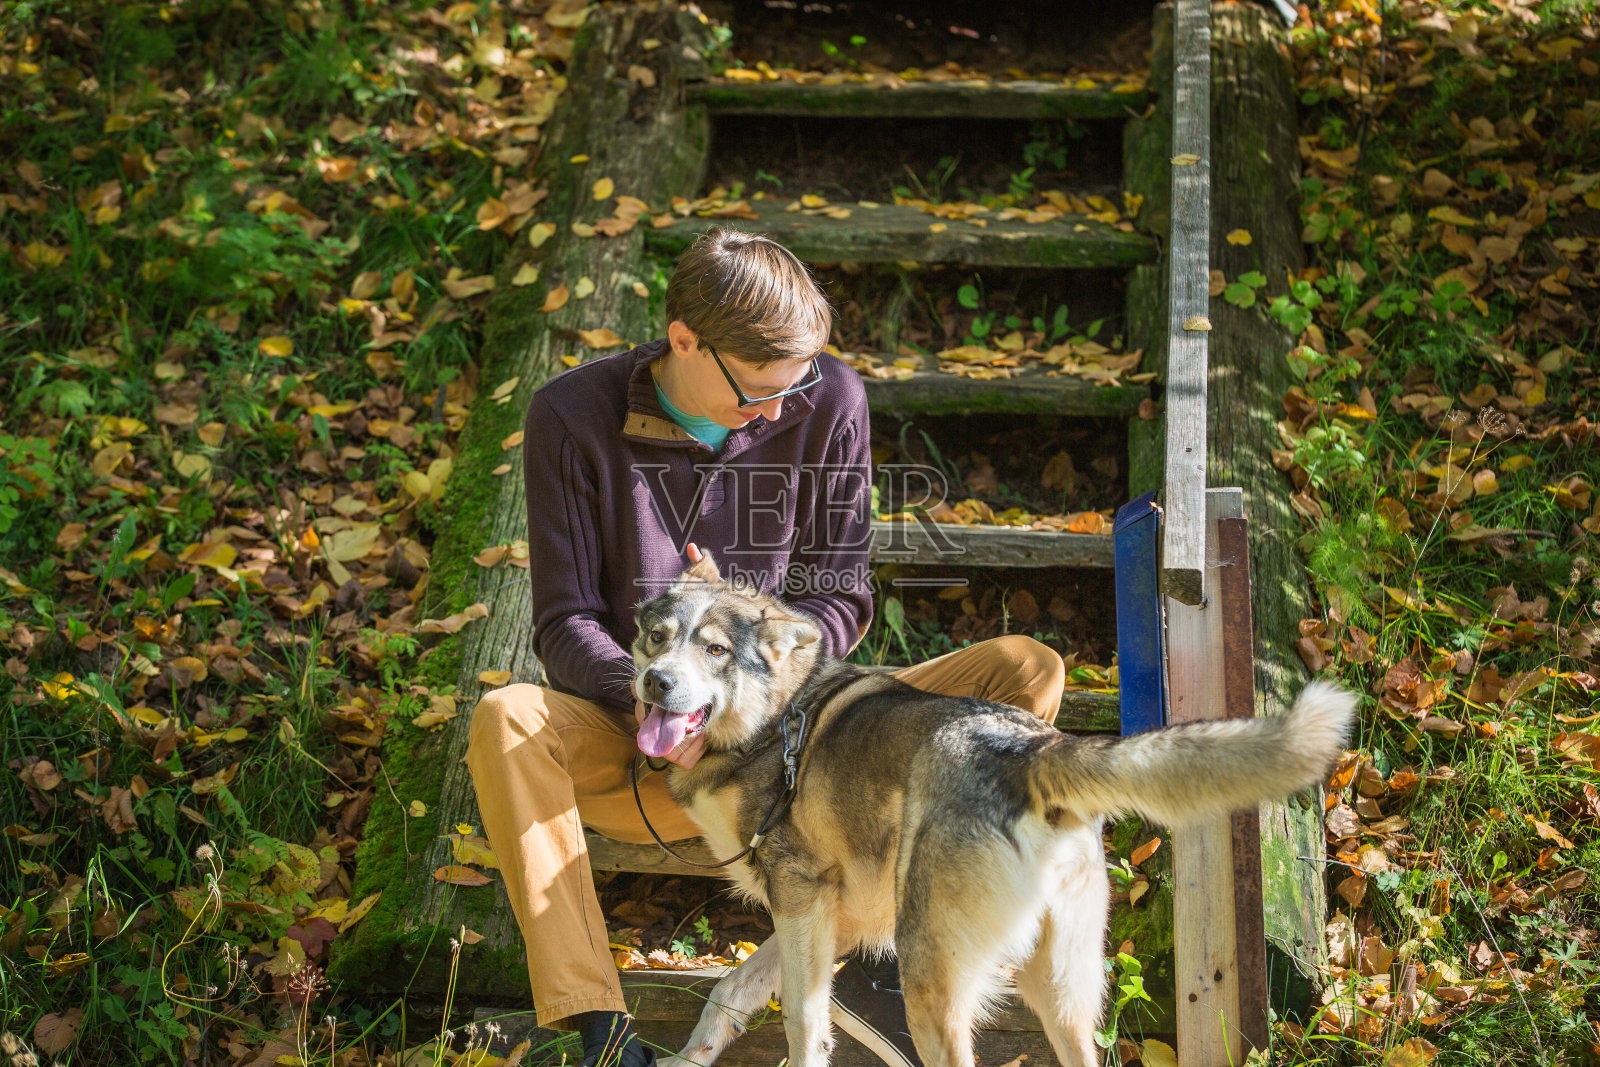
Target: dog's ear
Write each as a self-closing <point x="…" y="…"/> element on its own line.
<point x="703" y="570"/>
<point x="781" y="634"/>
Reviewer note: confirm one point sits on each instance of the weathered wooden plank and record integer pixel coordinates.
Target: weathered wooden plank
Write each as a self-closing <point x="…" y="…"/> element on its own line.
<point x="1147" y="174"/>
<point x="653" y="148"/>
<point x="986" y="546"/>
<point x="679" y="996"/>
<point x="1204" y="948"/>
<point x="1033" y="391"/>
<point x="666" y="1005"/>
<point x="1082" y="711"/>
<point x="1183" y="491"/>
<point x="1239" y="698"/>
<point x="608" y="855"/>
<point x="1085" y="712"/>
<point x="917" y="100"/>
<point x="894" y="233"/>
<point x="1147" y="140"/>
<point x="1256" y="187"/>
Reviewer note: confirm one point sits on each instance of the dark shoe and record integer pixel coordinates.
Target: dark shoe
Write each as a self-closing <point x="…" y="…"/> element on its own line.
<point x="610" y="1041"/>
<point x="870" y="1008"/>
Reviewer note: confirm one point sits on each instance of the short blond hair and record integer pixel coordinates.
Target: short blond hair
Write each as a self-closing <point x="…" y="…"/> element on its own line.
<point x="749" y="297"/>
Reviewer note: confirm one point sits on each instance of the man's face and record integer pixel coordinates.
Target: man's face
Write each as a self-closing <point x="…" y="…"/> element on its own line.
<point x="708" y="390"/>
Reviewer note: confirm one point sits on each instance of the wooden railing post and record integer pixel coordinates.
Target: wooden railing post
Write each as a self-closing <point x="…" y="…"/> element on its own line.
<point x="1205" y="932"/>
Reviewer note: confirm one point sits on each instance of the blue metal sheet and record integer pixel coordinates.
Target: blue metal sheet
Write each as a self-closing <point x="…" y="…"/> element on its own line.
<point x="1136" y="534"/>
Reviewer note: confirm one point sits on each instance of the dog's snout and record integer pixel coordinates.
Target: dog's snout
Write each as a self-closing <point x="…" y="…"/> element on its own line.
<point x="658" y="683"/>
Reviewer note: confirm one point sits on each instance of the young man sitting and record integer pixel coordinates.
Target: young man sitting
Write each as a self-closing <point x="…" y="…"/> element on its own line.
<point x="735" y="432"/>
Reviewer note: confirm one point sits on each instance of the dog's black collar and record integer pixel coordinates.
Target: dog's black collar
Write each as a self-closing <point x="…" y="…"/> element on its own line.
<point x="792" y="727"/>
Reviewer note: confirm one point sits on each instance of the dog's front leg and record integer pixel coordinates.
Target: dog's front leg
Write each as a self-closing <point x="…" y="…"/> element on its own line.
<point x="733" y="1002"/>
<point x="807" y="938"/>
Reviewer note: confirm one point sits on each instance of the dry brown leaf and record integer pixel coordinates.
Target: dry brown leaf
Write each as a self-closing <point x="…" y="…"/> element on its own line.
<point x="601" y="338"/>
<point x="1145" y="851"/>
<point x="57" y="1030"/>
<point x="556" y="299"/>
<point x="455" y="874"/>
<point x="452" y="623"/>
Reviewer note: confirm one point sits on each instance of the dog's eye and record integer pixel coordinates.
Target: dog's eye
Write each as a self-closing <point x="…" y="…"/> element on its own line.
<point x="716" y="650"/>
<point x="657" y="636"/>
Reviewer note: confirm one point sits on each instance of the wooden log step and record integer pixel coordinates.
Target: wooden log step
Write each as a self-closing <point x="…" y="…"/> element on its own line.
<point x="895" y="233"/>
<point x="986" y="546"/>
<point x="666" y="1005"/>
<point x="1033" y="391"/>
<point x="920" y="100"/>
<point x="1081" y="712"/>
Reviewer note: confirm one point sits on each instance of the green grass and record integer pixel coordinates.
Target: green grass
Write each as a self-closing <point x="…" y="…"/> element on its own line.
<point x="144" y="268"/>
<point x="1470" y="872"/>
<point x="146" y="265"/>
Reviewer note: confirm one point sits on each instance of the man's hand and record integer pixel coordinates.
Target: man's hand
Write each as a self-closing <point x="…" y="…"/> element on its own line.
<point x="688" y="753"/>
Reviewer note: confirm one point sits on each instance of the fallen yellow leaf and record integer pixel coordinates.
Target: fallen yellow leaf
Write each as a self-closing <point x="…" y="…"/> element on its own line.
<point x="1239" y="237"/>
<point x="601" y="338"/>
<point x="275" y="346"/>
<point x="540" y="232"/>
<point x="209" y="554"/>
<point x="604" y="188"/>
<point x="556" y="299"/>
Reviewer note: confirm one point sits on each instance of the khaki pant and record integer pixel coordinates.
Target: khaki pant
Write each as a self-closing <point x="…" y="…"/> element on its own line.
<point x="546" y="764"/>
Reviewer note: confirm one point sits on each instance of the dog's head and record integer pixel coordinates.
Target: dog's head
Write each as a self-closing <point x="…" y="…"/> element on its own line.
<point x="716" y="658"/>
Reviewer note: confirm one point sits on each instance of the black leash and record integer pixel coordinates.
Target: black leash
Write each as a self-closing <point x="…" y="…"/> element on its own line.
<point x="780" y="804"/>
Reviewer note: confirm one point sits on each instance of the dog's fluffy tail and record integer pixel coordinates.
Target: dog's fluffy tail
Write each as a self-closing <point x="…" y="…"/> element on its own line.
<point x="1186" y="772"/>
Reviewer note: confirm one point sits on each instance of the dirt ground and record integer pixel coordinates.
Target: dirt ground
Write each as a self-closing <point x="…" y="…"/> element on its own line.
<point x="931" y="317"/>
<point x="1065" y="36"/>
<point x="932" y="159"/>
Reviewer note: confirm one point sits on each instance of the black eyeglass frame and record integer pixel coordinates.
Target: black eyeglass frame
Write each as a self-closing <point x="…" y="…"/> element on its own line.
<point x="747" y="402"/>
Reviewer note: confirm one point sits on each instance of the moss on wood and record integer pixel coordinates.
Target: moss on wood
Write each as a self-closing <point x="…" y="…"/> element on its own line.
<point x="653" y="149"/>
<point x="1255" y="187"/>
<point x="894" y="233"/>
<point x="918" y="100"/>
<point x="935" y="393"/>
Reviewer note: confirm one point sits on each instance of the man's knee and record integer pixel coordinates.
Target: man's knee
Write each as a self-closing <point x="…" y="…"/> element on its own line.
<point x="506" y="717"/>
<point x="1039" y="672"/>
<point x="1033" y="659"/>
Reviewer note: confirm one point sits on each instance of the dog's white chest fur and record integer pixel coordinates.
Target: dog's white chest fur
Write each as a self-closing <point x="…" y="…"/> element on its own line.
<point x="715" y="812"/>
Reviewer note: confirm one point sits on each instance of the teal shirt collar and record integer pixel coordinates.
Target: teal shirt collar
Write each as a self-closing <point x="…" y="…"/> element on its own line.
<point x="697" y="426"/>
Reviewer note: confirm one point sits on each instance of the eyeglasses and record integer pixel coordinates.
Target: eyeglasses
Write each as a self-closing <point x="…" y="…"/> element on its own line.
<point x="746" y="401"/>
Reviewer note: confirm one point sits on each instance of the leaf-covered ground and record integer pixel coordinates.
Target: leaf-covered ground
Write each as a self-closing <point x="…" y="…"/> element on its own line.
<point x="1442" y="442"/>
<point x="248" y="249"/>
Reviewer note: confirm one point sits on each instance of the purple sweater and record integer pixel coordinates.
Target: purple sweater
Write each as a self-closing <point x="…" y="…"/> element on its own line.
<point x="617" y="490"/>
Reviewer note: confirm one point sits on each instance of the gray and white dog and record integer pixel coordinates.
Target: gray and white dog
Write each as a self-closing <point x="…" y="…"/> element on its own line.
<point x="962" y="835"/>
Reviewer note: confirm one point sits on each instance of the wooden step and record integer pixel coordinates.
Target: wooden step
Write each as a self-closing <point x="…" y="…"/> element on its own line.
<point x="1081" y="712"/>
<point x="986" y="546"/>
<point x="919" y="100"/>
<point x="896" y="233"/>
<point x="1032" y="391"/>
<point x="665" y="1006"/>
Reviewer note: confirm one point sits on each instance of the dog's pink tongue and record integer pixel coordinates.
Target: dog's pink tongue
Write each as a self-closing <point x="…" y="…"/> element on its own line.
<point x="662" y="731"/>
